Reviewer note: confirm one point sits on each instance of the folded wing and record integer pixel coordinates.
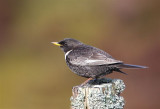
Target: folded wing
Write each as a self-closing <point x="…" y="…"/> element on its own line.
<point x="92" y="58"/>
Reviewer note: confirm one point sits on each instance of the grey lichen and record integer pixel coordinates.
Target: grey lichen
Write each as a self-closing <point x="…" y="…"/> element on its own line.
<point x="78" y="98"/>
<point x="104" y="95"/>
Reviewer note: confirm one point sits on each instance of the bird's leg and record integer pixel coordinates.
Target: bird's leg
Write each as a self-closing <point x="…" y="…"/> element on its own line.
<point x="85" y="82"/>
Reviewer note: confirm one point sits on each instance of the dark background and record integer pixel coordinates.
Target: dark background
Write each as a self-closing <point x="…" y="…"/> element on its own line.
<point x="33" y="72"/>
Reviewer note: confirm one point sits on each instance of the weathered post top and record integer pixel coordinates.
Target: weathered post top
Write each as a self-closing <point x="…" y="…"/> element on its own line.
<point x="102" y="94"/>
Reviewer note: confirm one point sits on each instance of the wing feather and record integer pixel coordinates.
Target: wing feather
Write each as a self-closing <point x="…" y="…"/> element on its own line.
<point x="91" y="58"/>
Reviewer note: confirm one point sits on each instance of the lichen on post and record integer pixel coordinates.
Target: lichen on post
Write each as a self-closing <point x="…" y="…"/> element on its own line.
<point x="102" y="94"/>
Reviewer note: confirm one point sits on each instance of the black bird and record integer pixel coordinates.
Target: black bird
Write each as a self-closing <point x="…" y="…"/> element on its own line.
<point x="88" y="61"/>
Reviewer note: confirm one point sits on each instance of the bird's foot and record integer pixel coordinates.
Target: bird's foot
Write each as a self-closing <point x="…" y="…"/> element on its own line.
<point x="96" y="81"/>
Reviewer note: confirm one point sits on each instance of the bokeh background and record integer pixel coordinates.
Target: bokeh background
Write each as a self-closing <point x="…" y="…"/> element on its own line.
<point x="33" y="73"/>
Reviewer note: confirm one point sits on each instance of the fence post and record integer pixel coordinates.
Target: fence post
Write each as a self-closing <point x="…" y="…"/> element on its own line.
<point x="104" y="94"/>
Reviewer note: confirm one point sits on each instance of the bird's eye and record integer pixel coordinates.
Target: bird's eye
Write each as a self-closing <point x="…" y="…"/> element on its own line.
<point x="65" y="44"/>
<point x="62" y="43"/>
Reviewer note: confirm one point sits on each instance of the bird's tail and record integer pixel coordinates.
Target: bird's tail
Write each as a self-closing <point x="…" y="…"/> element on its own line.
<point x="129" y="66"/>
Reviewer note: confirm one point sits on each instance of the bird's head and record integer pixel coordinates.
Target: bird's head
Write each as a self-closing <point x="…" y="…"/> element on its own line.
<point x="67" y="44"/>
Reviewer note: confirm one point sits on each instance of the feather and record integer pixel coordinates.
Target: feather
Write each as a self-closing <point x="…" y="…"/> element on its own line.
<point x="129" y="66"/>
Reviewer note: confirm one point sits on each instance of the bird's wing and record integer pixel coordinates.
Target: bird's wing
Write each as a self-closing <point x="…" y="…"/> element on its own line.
<point x="91" y="58"/>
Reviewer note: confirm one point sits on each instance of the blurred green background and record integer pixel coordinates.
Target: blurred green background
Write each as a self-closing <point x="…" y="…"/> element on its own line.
<point x="33" y="73"/>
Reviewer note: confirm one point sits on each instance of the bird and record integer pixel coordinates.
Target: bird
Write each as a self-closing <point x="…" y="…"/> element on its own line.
<point x="88" y="61"/>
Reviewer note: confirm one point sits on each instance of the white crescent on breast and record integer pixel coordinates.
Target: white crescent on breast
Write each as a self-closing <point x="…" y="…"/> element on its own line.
<point x="67" y="53"/>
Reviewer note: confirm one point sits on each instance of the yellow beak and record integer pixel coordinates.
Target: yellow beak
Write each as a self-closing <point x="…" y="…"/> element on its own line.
<point x="56" y="43"/>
